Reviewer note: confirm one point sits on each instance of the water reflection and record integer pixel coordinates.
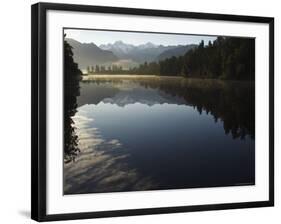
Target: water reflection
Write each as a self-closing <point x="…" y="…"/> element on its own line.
<point x="161" y="133"/>
<point x="102" y="165"/>
<point x="231" y="101"/>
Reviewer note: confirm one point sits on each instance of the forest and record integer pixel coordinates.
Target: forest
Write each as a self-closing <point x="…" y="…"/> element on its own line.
<point x="225" y="58"/>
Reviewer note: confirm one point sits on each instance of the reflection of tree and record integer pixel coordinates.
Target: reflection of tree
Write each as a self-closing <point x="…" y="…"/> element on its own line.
<point x="72" y="76"/>
<point x="232" y="102"/>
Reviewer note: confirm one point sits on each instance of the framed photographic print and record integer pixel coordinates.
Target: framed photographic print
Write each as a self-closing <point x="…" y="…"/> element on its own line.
<point x="139" y="111"/>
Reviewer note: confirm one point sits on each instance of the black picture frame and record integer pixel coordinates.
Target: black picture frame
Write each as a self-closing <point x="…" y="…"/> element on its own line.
<point x="39" y="122"/>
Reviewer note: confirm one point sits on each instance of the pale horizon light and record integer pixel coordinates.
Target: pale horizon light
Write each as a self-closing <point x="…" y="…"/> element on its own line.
<point x="99" y="37"/>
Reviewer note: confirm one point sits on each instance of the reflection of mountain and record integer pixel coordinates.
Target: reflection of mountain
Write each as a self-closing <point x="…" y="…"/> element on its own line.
<point x="231" y="102"/>
<point x="87" y="54"/>
<point x="135" y="133"/>
<point x="124" y="94"/>
<point x="144" y="96"/>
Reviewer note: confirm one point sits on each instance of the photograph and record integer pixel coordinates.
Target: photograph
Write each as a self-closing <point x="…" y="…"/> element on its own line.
<point x="157" y="111"/>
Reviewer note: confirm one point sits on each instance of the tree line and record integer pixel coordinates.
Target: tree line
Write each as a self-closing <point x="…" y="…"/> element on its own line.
<point x="225" y="58"/>
<point x="114" y="69"/>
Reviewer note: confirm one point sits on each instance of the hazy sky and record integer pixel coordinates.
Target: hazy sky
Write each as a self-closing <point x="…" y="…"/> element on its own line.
<point x="105" y="37"/>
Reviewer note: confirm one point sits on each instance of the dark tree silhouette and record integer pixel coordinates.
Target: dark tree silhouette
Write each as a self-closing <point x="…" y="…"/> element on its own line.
<point x="72" y="76"/>
<point x="225" y="58"/>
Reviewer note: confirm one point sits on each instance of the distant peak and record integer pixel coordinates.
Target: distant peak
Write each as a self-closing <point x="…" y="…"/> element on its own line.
<point x="119" y="42"/>
<point x="149" y="44"/>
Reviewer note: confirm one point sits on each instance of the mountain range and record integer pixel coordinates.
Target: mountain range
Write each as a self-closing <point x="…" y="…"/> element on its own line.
<point x="145" y="52"/>
<point x="123" y="54"/>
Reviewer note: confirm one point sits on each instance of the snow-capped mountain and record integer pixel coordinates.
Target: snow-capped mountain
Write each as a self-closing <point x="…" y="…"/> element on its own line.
<point x="122" y="54"/>
<point x="118" y="46"/>
<point x="147" y="45"/>
<point x="139" y="53"/>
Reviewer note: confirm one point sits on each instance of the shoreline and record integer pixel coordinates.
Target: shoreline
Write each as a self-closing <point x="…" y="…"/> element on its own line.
<point x="126" y="76"/>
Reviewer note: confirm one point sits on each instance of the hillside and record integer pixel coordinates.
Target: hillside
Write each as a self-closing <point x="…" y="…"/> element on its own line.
<point x="88" y="54"/>
<point x="177" y="51"/>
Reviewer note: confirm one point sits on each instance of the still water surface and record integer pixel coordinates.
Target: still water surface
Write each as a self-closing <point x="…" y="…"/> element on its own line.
<point x="151" y="133"/>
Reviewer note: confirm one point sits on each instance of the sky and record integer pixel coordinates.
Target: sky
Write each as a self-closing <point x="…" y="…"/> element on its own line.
<point x="99" y="37"/>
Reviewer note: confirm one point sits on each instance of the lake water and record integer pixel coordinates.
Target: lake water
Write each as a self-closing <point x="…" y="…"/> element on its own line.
<point x="155" y="133"/>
